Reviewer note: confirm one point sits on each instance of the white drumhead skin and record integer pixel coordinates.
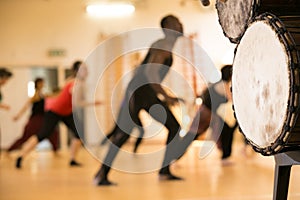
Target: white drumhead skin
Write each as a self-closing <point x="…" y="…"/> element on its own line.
<point x="234" y="15"/>
<point x="260" y="84"/>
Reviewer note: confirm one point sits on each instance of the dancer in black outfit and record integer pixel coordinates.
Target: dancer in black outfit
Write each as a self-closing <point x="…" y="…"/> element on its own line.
<point x="37" y="104"/>
<point x="144" y="91"/>
<point x="206" y="116"/>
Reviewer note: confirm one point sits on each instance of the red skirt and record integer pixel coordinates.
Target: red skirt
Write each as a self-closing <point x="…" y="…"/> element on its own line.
<point x="32" y="127"/>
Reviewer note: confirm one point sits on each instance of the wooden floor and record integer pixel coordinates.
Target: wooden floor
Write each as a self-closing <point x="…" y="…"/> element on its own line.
<point x="46" y="176"/>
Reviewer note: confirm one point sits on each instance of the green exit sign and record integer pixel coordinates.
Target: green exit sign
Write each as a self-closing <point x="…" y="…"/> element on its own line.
<point x="56" y="52"/>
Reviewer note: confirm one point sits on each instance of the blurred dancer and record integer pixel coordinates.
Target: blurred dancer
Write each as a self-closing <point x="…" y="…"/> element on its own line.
<point x="79" y="101"/>
<point x="59" y="110"/>
<point x="206" y="116"/>
<point x="37" y="104"/>
<point x="143" y="92"/>
<point x="5" y="75"/>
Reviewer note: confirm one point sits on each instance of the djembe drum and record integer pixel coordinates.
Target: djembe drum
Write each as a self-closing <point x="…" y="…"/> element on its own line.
<point x="266" y="84"/>
<point x="235" y="15"/>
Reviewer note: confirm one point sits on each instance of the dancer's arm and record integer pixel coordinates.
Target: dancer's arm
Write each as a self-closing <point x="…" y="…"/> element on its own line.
<point x="28" y="103"/>
<point x="23" y="109"/>
<point x="4" y="106"/>
<point x="78" y="96"/>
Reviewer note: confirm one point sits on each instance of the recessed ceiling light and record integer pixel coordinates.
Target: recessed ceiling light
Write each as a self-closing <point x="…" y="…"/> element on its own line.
<point x="110" y="9"/>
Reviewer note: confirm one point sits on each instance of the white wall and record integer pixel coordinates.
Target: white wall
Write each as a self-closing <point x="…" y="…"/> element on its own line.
<point x="30" y="28"/>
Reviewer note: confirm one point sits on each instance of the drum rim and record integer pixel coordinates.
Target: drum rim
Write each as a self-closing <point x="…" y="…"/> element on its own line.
<point x="292" y="110"/>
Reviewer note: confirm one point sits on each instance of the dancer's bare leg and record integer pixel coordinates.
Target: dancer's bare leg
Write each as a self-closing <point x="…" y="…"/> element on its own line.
<point x="27" y="148"/>
<point x="75" y="146"/>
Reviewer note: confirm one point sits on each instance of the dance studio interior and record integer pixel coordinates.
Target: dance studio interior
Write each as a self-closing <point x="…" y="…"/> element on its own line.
<point x="245" y="141"/>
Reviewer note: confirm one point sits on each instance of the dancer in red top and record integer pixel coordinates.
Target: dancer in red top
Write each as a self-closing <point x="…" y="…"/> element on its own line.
<point x="59" y="110"/>
<point x="62" y="105"/>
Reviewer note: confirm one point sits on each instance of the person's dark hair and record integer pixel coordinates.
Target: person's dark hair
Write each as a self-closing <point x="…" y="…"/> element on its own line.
<point x="165" y="20"/>
<point x="5" y="73"/>
<point x="226" y="73"/>
<point x="37" y="80"/>
<point x="76" y="66"/>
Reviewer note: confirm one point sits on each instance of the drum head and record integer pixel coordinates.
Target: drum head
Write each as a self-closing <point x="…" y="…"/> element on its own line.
<point x="261" y="84"/>
<point x="234" y="16"/>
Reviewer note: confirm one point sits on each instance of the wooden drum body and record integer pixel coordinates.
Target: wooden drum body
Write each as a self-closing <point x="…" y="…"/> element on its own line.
<point x="266" y="84"/>
<point x="235" y="15"/>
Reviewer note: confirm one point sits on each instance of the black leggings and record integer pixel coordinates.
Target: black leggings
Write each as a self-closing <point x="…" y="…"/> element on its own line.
<point x="128" y="119"/>
<point x="51" y="119"/>
<point x="139" y="139"/>
<point x="226" y="139"/>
